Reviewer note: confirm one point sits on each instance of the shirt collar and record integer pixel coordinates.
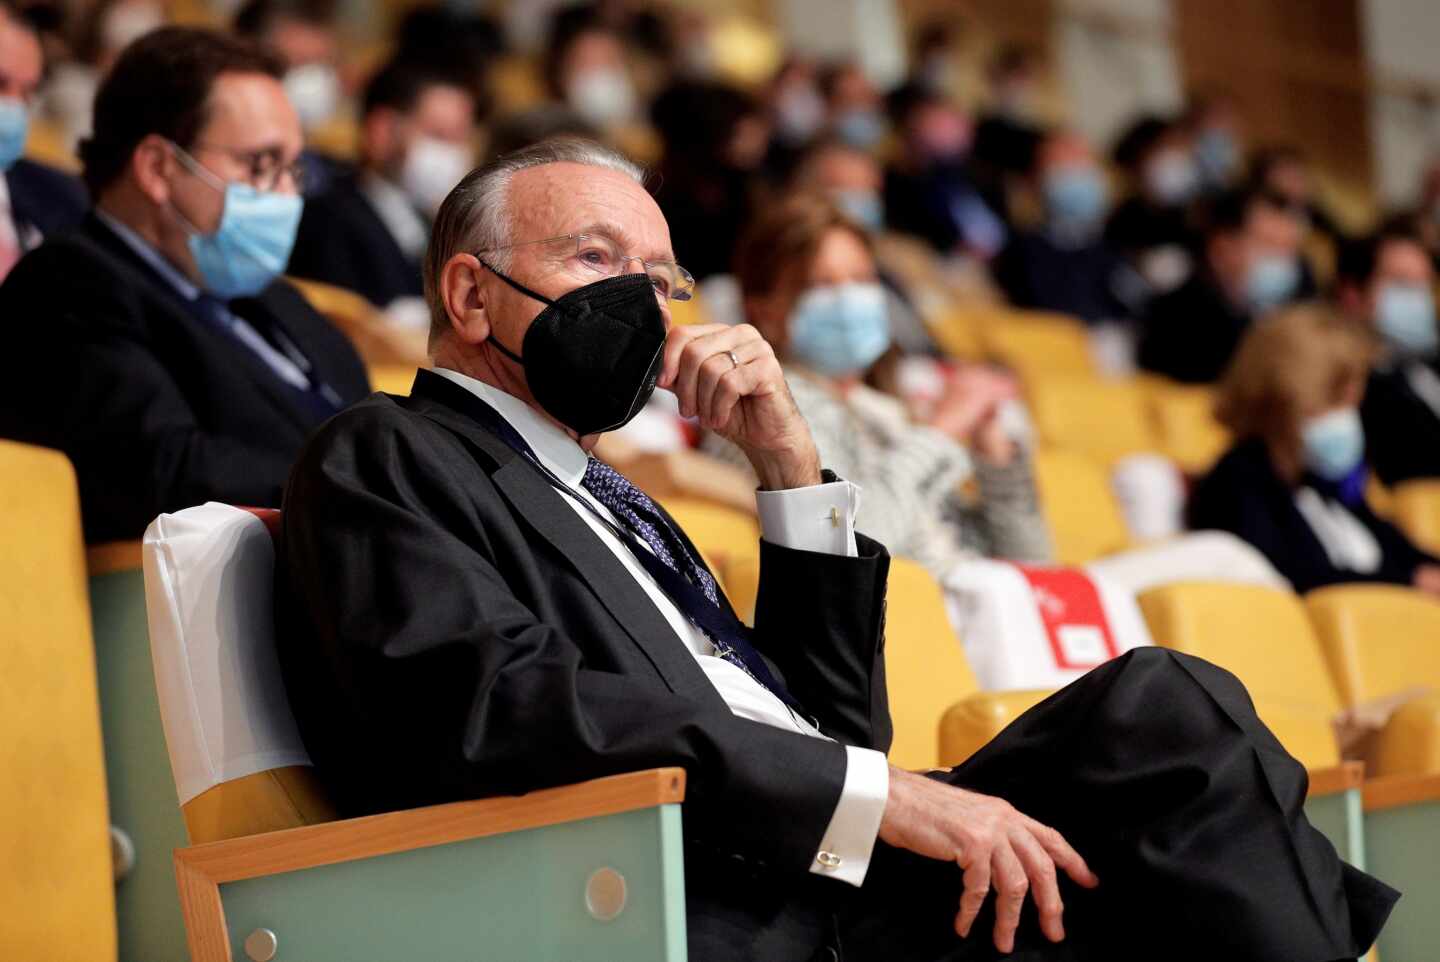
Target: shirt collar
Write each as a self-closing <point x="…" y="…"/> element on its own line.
<point x="557" y="451"/>
<point x="149" y="255"/>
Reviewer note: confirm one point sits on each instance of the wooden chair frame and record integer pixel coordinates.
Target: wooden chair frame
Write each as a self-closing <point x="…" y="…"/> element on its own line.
<point x="200" y="870"/>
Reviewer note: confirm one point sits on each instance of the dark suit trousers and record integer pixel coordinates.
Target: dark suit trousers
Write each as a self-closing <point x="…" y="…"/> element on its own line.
<point x="1158" y="772"/>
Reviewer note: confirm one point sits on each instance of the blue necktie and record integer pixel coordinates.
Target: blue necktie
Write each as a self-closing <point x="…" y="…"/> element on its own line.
<point x="640" y="515"/>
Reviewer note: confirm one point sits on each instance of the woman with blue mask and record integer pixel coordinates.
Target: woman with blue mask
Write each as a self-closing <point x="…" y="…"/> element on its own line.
<point x="1387" y="283"/>
<point x="810" y="285"/>
<point x="1293" y="485"/>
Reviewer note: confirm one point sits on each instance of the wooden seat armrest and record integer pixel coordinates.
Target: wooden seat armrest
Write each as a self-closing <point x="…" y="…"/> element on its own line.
<point x="1395" y="791"/>
<point x="200" y="870"/>
<point x="112" y="556"/>
<point x="1336" y="779"/>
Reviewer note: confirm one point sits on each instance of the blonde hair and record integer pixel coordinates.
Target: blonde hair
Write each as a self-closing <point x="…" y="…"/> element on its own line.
<point x="1294" y="363"/>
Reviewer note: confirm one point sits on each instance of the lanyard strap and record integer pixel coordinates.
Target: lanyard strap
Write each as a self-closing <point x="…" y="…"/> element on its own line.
<point x="717" y="619"/>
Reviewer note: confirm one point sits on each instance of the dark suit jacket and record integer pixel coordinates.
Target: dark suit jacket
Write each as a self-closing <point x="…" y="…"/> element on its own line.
<point x="449" y="628"/>
<point x="157" y="410"/>
<point x="1191" y="333"/>
<point x="1402" y="432"/>
<point x="343" y="241"/>
<point x="1242" y="494"/>
<point x="43" y="198"/>
<point x="1035" y="272"/>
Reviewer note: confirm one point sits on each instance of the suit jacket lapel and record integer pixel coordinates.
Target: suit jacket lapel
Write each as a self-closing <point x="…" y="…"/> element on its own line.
<point x="281" y="395"/>
<point x="544" y="510"/>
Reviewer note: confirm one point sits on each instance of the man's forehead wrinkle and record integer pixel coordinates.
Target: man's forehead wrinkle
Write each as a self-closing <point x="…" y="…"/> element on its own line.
<point x="551" y="201"/>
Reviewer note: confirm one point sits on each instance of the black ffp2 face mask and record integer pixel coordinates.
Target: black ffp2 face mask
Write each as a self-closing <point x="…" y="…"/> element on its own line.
<point x="592" y="357"/>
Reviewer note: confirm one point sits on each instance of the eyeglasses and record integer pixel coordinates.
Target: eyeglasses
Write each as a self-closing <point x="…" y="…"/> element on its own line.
<point x="600" y="254"/>
<point x="265" y="166"/>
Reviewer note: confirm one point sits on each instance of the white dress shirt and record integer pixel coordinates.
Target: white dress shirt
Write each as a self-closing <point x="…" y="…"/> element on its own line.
<point x="803" y="519"/>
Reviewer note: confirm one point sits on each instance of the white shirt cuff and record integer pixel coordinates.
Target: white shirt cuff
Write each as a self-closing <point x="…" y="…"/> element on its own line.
<point x="849" y="840"/>
<point x="818" y="518"/>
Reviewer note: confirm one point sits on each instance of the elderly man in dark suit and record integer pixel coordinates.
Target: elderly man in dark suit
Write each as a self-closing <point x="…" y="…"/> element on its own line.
<point x="471" y="604"/>
<point x="35" y="200"/>
<point x="187" y="371"/>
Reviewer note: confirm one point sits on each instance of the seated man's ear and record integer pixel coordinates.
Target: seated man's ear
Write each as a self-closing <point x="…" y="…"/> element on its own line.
<point x="464" y="298"/>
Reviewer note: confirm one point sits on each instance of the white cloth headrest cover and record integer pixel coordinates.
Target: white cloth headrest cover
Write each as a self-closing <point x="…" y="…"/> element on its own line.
<point x="209" y="598"/>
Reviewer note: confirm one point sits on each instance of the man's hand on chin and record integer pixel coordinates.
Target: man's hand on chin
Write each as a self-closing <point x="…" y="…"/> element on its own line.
<point x="729" y="378"/>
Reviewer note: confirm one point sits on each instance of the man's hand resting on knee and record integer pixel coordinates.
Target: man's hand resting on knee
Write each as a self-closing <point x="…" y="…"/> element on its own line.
<point x="992" y="843"/>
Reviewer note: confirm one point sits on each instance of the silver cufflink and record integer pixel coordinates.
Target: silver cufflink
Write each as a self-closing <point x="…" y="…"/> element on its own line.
<point x="829" y="859"/>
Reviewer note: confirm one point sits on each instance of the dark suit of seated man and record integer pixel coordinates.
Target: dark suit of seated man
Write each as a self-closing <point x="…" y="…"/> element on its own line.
<point x="470" y="605"/>
<point x="368" y="231"/>
<point x="35" y="200"/>
<point x="190" y="373"/>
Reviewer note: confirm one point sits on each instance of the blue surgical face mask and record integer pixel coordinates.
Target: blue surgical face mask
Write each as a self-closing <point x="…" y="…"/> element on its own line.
<point x="1217" y="155"/>
<point x="1333" y="443"/>
<point x="252" y="245"/>
<point x="14" y="127"/>
<point x="1171" y="177"/>
<point x="1075" y="196"/>
<point x="862" y="206"/>
<point x="1272" y="280"/>
<point x="860" y="127"/>
<point x="840" y="329"/>
<point x="1405" y="318"/>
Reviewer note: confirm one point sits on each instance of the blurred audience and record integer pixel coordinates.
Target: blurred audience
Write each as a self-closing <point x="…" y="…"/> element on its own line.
<point x="1010" y="130"/>
<point x="1217" y="140"/>
<point x="35" y="200"/>
<point x="811" y="288"/>
<point x="304" y="35"/>
<point x="368" y="231"/>
<point x="1250" y="265"/>
<point x="930" y="190"/>
<point x="105" y="29"/>
<point x="1294" y="483"/>
<point x="1064" y="264"/>
<point x="195" y="373"/>
<point x="1387" y="284"/>
<point x="586" y="69"/>
<point x="715" y="138"/>
<point x="1152" y="228"/>
<point x="854" y="109"/>
<point x="1285" y="173"/>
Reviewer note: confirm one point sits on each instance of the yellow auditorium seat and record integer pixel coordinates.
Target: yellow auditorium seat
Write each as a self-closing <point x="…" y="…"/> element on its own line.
<point x="377" y="341"/>
<point x="925" y="670"/>
<point x="1382" y="641"/>
<point x="1105" y="419"/>
<point x="691" y="312"/>
<point x="48" y="144"/>
<point x="1036" y="345"/>
<point x="392" y="378"/>
<point x="723" y="534"/>
<point x="1080" y="507"/>
<point x="1415" y="507"/>
<point x="1264" y="637"/>
<point x="57" y="899"/>
<point x="1183" y="418"/>
<point x="957" y="332"/>
<point x="271" y="874"/>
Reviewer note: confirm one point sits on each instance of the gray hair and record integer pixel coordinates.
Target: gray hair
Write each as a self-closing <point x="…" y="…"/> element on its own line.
<point x="476" y="216"/>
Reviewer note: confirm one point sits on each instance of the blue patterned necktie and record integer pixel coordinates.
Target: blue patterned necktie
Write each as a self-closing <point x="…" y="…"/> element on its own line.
<point x="639" y="514"/>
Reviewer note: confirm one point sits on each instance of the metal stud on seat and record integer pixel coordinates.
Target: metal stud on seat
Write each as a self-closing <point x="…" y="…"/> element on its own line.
<point x="261" y="945"/>
<point x="605" y="894"/>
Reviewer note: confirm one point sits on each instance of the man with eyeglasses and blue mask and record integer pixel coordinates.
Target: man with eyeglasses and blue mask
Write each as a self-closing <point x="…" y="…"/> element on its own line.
<point x="1386" y="282"/>
<point x="35" y="200"/>
<point x="470" y="604"/>
<point x="190" y="372"/>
